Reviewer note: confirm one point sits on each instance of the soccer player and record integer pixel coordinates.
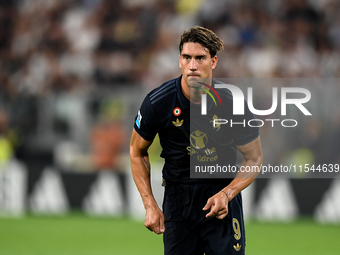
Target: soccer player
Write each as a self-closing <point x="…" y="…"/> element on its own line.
<point x="200" y="215"/>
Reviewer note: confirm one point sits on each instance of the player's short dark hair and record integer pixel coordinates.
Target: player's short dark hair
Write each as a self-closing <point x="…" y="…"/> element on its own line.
<point x="203" y="36"/>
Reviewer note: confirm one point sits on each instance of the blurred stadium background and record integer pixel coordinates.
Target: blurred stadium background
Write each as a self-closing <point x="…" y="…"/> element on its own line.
<point x="72" y="76"/>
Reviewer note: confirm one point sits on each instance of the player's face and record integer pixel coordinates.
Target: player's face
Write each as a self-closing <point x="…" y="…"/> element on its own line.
<point x="197" y="65"/>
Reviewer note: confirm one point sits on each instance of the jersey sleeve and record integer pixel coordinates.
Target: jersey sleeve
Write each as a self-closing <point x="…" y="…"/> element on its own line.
<point x="246" y="131"/>
<point x="145" y="121"/>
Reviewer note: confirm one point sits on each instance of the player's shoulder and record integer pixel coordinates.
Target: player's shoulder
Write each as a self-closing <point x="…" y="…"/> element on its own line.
<point x="224" y="93"/>
<point x="164" y="92"/>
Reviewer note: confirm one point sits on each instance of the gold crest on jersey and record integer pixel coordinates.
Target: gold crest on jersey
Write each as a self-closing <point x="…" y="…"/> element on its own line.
<point x="217" y="126"/>
<point x="178" y="122"/>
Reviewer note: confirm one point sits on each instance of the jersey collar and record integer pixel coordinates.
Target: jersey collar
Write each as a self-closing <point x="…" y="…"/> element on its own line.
<point x="210" y="102"/>
<point x="185" y="103"/>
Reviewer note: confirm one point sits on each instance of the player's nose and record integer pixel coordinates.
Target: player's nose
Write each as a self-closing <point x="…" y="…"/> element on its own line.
<point x="193" y="65"/>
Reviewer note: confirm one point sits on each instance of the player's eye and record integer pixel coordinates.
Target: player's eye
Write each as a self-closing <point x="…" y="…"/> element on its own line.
<point x="186" y="57"/>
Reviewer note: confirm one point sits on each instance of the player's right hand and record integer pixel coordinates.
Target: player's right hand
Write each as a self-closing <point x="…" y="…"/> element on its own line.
<point x="154" y="220"/>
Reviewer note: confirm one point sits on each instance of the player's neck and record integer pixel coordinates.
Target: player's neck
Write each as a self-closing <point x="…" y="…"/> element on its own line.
<point x="185" y="88"/>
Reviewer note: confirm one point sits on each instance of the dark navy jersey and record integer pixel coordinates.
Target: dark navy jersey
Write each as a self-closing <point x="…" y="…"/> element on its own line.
<point x="214" y="136"/>
<point x="185" y="135"/>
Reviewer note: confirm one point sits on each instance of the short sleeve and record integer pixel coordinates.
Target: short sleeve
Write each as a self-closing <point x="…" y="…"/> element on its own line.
<point x="145" y="121"/>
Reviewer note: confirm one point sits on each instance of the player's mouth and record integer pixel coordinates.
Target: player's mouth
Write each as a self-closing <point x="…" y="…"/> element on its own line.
<point x="194" y="76"/>
<point x="194" y="81"/>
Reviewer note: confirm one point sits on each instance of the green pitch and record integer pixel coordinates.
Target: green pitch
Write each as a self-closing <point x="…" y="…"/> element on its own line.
<point x="78" y="234"/>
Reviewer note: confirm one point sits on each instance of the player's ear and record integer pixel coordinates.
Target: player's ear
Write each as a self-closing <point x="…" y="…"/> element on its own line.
<point x="214" y="60"/>
<point x="180" y="61"/>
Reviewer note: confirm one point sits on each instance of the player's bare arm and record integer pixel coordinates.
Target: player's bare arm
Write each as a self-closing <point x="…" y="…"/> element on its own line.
<point x="252" y="156"/>
<point x="140" y="165"/>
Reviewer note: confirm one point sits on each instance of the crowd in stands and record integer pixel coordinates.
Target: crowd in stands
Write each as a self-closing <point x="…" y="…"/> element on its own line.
<point x="64" y="46"/>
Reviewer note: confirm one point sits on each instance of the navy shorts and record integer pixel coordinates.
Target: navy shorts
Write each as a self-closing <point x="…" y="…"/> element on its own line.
<point x="189" y="232"/>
